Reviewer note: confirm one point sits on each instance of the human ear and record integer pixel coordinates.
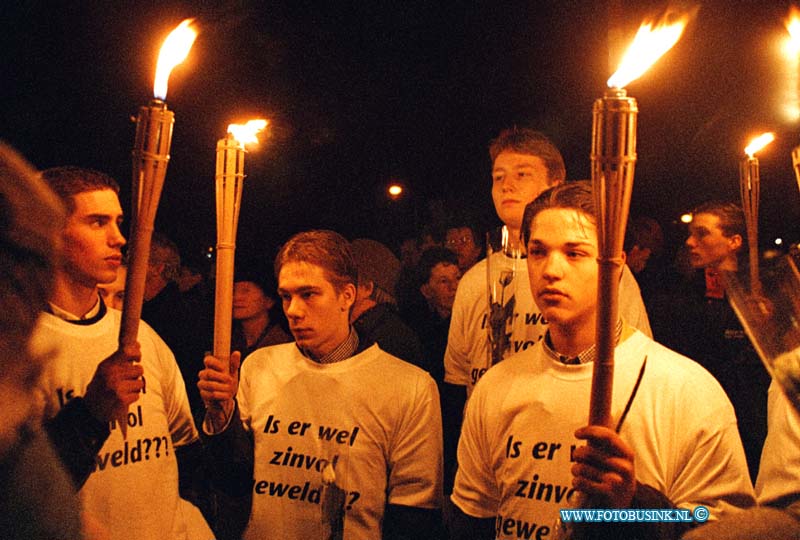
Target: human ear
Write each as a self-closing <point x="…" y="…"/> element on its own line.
<point x="735" y="242"/>
<point x="425" y="289"/>
<point x="348" y="296"/>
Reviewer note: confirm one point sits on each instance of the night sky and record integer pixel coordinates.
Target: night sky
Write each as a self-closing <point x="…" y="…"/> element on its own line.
<point x="361" y="93"/>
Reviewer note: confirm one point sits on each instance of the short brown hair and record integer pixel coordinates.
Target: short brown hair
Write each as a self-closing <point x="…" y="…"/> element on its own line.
<point x="572" y="195"/>
<point x="528" y="141"/>
<point x="69" y="181"/>
<point x="731" y="217"/>
<point x="326" y="249"/>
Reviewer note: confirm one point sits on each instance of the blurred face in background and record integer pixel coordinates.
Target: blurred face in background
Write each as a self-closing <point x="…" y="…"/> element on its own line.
<point x="113" y="294"/>
<point x="250" y="301"/>
<point x="440" y="289"/>
<point x="460" y="241"/>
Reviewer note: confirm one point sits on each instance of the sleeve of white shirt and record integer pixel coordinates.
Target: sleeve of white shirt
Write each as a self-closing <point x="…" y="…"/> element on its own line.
<point x="415" y="457"/>
<point x="475" y="491"/>
<point x="779" y="472"/>
<point x="709" y="468"/>
<point x="456" y="355"/>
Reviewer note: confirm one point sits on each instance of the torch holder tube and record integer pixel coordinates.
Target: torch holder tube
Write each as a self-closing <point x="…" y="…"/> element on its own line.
<point x="796" y="164"/>
<point x="749" y="188"/>
<point x="613" y="160"/>
<point x="229" y="181"/>
<point x="150" y="158"/>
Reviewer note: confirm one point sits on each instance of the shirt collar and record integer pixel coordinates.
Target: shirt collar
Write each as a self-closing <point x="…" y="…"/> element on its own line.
<point x="97" y="311"/>
<point x="343" y="351"/>
<point x="584" y="357"/>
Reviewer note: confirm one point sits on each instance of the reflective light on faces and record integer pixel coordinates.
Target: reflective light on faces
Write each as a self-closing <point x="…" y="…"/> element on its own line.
<point x="562" y="266"/>
<point x="92" y="238"/>
<point x="318" y="315"/>
<point x="708" y="246"/>
<point x="517" y="179"/>
<point x="113" y="293"/>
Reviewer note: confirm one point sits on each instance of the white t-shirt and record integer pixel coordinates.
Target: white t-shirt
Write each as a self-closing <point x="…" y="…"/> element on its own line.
<point x="133" y="491"/>
<point x="375" y="418"/>
<point x="515" y="449"/>
<point x="779" y="471"/>
<point x="466" y="358"/>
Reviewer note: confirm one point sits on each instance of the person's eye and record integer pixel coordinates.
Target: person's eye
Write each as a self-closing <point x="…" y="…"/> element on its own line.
<point x="536" y="252"/>
<point x="497" y="177"/>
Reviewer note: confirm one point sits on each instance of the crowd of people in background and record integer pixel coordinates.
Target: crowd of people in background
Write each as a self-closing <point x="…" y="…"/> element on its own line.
<point x="365" y="398"/>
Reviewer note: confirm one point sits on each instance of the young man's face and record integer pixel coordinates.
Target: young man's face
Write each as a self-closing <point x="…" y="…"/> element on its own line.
<point x="318" y="315"/>
<point x="440" y="289"/>
<point x="249" y="300"/>
<point x="114" y="293"/>
<point x="562" y="266"/>
<point x="517" y="179"/>
<point x="92" y="238"/>
<point x="708" y="246"/>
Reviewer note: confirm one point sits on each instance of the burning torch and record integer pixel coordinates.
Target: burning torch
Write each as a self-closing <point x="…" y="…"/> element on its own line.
<point x="749" y="188"/>
<point x="229" y="180"/>
<point x="150" y="158"/>
<point x="613" y="159"/>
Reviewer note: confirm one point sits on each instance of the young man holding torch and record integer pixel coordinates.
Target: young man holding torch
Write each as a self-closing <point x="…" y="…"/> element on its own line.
<point x="524" y="164"/>
<point x="129" y="484"/>
<point x="520" y="455"/>
<point x="334" y="437"/>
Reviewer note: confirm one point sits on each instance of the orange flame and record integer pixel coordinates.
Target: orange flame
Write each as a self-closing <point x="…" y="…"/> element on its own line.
<point x="648" y="46"/>
<point x="759" y="143"/>
<point x="247" y="133"/>
<point x="174" y="51"/>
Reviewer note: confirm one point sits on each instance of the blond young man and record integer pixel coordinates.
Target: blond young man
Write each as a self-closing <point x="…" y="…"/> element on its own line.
<point x="333" y="437"/>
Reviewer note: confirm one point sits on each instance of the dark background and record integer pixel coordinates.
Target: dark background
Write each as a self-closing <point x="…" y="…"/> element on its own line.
<point x="363" y="93"/>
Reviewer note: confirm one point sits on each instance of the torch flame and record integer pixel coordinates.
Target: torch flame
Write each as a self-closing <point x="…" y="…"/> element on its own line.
<point x="246" y="133"/>
<point x="647" y="47"/>
<point x="758" y="143"/>
<point x="174" y="51"/>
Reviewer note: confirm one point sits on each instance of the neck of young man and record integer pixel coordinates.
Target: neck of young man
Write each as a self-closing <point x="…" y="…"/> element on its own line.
<point x="514" y="240"/>
<point x="572" y="339"/>
<point x="253" y="327"/>
<point x="728" y="264"/>
<point x="360" y="307"/>
<point x="73" y="295"/>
